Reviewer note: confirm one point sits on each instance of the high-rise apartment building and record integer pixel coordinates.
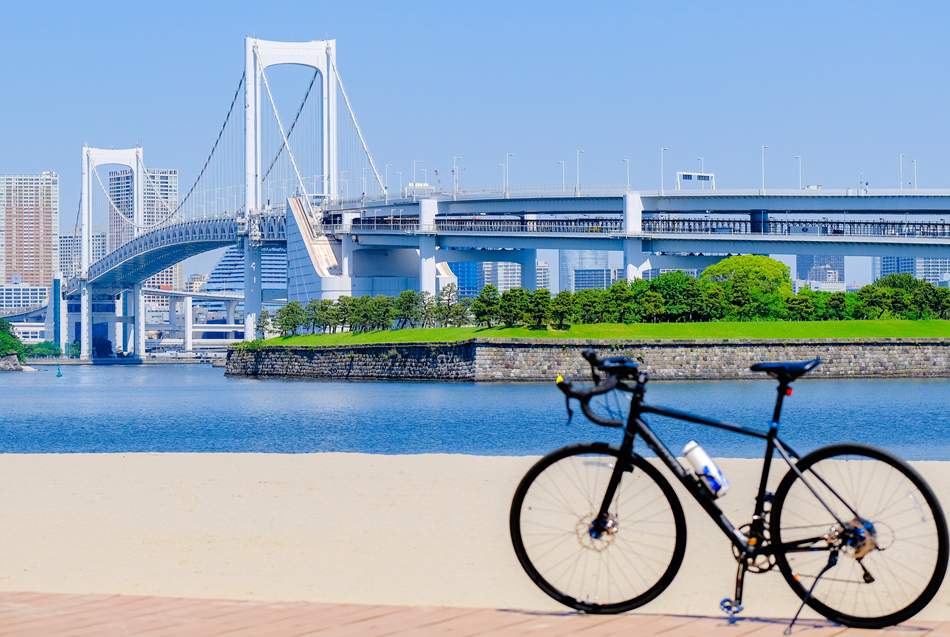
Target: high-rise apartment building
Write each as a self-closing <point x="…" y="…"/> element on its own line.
<point x="160" y="199"/>
<point x="70" y="252"/>
<point x="467" y="274"/>
<point x="504" y="276"/>
<point x="928" y="269"/>
<point x="544" y="276"/>
<point x="29" y="228"/>
<point x="571" y="260"/>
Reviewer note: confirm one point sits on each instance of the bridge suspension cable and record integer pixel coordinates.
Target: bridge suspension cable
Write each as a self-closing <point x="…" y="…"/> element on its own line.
<point x="293" y="125"/>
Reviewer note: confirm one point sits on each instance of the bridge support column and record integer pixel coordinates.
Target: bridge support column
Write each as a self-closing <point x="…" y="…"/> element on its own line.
<point x="348" y="245"/>
<point x="138" y="298"/>
<point x="85" y="334"/>
<point x="253" y="300"/>
<point x="128" y="329"/>
<point x="231" y="306"/>
<point x="189" y="325"/>
<point x="114" y="333"/>
<point x="632" y="213"/>
<point x="529" y="269"/>
<point x="427" y="279"/>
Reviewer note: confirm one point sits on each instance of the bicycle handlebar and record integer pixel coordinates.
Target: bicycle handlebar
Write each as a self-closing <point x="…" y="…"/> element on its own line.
<point x="584" y="395"/>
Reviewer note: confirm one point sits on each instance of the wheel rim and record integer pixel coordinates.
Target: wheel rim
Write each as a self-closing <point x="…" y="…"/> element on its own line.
<point x="621" y="563"/>
<point x="900" y="536"/>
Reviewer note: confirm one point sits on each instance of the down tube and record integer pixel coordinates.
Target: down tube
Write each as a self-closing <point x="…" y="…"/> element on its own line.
<point x="692" y="485"/>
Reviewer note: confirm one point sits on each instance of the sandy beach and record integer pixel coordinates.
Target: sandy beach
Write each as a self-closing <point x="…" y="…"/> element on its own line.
<point x="345" y="528"/>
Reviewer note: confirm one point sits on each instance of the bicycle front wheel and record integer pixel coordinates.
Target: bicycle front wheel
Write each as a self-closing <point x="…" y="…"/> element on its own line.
<point x="880" y="533"/>
<point x="622" y="567"/>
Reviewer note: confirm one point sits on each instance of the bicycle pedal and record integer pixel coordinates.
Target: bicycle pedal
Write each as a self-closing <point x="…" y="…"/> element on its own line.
<point x="730" y="608"/>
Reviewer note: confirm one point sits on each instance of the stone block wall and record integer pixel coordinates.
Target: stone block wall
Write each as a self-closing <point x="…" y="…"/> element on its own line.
<point x="537" y="360"/>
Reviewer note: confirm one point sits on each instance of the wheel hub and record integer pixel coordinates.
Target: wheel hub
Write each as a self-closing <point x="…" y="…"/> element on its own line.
<point x="595" y="535"/>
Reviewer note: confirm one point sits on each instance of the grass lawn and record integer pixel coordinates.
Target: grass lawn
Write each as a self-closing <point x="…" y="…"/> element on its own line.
<point x="777" y="330"/>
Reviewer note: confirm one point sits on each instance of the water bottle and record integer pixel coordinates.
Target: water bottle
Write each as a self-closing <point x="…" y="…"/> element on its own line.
<point x="706" y="469"/>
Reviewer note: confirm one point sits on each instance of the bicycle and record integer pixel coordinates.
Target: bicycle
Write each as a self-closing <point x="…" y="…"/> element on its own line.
<point x="856" y="532"/>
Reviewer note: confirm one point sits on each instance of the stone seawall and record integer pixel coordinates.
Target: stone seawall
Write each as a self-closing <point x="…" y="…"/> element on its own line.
<point x="537" y="360"/>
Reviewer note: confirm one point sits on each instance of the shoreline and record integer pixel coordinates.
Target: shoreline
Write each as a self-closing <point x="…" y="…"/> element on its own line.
<point x="540" y="360"/>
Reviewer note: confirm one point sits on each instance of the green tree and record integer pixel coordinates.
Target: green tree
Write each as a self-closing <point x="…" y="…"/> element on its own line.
<point x="380" y="312"/>
<point x="539" y="305"/>
<point x="358" y="313"/>
<point x="263" y="325"/>
<point x="873" y="302"/>
<point x="652" y="305"/>
<point x="427" y="309"/>
<point x="314" y="314"/>
<point x="836" y="306"/>
<point x="619" y="303"/>
<point x="331" y="316"/>
<point x="75" y="349"/>
<point x="461" y="314"/>
<point x="485" y="306"/>
<point x="713" y="302"/>
<point x="448" y="297"/>
<point x="758" y="272"/>
<point x="101" y="347"/>
<point x="562" y="306"/>
<point x="44" y="348"/>
<point x="406" y="309"/>
<point x="800" y="307"/>
<point x="899" y="281"/>
<point x="290" y="318"/>
<point x="590" y="305"/>
<point x="512" y="306"/>
<point x="344" y="307"/>
<point x="10" y="342"/>
<point x="681" y="294"/>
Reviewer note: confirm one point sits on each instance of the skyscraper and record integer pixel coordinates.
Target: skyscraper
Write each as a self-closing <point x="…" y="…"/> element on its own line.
<point x="544" y="276"/>
<point x="571" y="260"/>
<point x="467" y="273"/>
<point x="504" y="276"/>
<point x="29" y="228"/>
<point x="160" y="199"/>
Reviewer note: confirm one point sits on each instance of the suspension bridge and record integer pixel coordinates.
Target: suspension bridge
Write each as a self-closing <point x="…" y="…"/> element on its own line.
<point x="310" y="183"/>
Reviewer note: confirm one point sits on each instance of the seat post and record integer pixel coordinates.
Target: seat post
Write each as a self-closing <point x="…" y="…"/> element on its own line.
<point x="783" y="389"/>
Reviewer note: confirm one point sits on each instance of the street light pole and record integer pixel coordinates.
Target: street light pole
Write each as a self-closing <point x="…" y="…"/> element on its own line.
<point x="662" y="150"/>
<point x="507" y="179"/>
<point x="562" y="175"/>
<point x="627" y="161"/>
<point x="577" y="188"/>
<point x="400" y="182"/>
<point x="799" y="158"/>
<point x="902" y="170"/>
<point x="414" y="162"/>
<point x="702" y="169"/>
<point x="387" y="176"/>
<point x="763" y="169"/>
<point x="455" y="171"/>
<point x="915" y="173"/>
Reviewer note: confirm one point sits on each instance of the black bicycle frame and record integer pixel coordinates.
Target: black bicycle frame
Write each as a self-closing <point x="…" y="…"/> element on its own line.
<point x="693" y="484"/>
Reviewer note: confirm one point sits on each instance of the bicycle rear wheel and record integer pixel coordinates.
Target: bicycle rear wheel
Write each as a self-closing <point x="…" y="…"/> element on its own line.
<point x="891" y="551"/>
<point x="617" y="570"/>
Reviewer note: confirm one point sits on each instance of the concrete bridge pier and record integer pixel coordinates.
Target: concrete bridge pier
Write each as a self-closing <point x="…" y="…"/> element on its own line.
<point x="427" y="270"/>
<point x="138" y="311"/>
<point x="253" y="300"/>
<point x="632" y="213"/>
<point x="529" y="269"/>
<point x="189" y="325"/>
<point x="347" y="246"/>
<point x="85" y="334"/>
<point x="230" y="306"/>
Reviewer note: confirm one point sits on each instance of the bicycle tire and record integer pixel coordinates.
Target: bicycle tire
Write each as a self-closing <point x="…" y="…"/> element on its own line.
<point x="550" y="521"/>
<point x="907" y="559"/>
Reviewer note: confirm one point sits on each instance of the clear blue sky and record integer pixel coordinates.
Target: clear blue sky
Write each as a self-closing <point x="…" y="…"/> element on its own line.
<point x="847" y="85"/>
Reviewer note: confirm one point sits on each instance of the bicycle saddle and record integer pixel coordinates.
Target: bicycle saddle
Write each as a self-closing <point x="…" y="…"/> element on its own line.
<point x="786" y="372"/>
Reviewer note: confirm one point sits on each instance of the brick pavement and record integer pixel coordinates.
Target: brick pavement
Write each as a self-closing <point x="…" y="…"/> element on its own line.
<point x="49" y="614"/>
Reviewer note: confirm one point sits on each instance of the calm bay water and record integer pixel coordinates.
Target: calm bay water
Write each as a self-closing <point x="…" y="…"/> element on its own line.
<point x="194" y="408"/>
